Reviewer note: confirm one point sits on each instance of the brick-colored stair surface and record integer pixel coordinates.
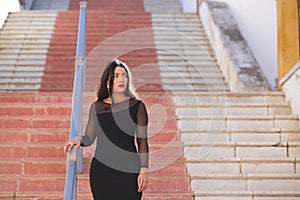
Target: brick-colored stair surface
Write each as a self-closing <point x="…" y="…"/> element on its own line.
<point x="34" y="126"/>
<point x="130" y="38"/>
<point x="110" y="5"/>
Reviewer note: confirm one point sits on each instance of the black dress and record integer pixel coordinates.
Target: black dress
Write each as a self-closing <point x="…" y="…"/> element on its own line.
<point x="117" y="163"/>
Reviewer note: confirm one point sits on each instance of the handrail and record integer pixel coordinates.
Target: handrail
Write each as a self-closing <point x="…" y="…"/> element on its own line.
<point x="74" y="160"/>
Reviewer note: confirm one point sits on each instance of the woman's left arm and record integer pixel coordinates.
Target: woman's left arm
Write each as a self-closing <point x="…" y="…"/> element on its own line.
<point x="143" y="148"/>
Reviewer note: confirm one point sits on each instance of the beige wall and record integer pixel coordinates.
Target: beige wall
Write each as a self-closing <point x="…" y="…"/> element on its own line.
<point x="291" y="87"/>
<point x="288" y="36"/>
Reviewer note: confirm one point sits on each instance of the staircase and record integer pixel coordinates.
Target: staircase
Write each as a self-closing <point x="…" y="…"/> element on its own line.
<point x="24" y="42"/>
<point x="253" y="155"/>
<point x="238" y="145"/>
<point x="205" y="141"/>
<point x="50" y="5"/>
<point x="34" y="125"/>
<point x="184" y="54"/>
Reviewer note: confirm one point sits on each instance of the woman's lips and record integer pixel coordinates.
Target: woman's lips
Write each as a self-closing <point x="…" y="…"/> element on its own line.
<point x="121" y="85"/>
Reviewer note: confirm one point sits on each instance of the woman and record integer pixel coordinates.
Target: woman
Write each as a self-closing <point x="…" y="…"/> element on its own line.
<point x="118" y="169"/>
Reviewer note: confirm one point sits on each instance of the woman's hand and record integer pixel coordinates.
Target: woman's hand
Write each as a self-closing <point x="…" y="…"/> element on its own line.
<point x="68" y="145"/>
<point x="143" y="180"/>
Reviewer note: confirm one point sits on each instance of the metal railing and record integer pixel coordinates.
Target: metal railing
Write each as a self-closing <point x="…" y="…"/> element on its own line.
<point x="74" y="159"/>
<point x="26" y="4"/>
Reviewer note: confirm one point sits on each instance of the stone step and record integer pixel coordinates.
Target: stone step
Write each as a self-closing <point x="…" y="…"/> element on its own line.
<point x="172" y="19"/>
<point x="21" y="41"/>
<point x="248" y="195"/>
<point x="243" y="183"/>
<point x="30" y="23"/>
<point x="196" y="87"/>
<point x="187" y="98"/>
<point x="227" y="151"/>
<point x="275" y="136"/>
<point x="177" y="36"/>
<point x="169" y="56"/>
<point x="198" y="45"/>
<point x="30" y="33"/>
<point x="25" y="28"/>
<point x="22" y="80"/>
<point x="30" y="18"/>
<point x="13" y="51"/>
<point x="189" y="61"/>
<point x="12" y="62"/>
<point x="23" y="66"/>
<point x="17" y="72"/>
<point x="39" y="13"/>
<point x="26" y="45"/>
<point x="25" y="35"/>
<point x="162" y="5"/>
<point x="50" y="5"/>
<point x="20" y="87"/>
<point x="192" y="81"/>
<point x="219" y="121"/>
<point x="188" y="75"/>
<point x="187" y="67"/>
<point x="23" y="57"/>
<point x="184" y="53"/>
<point x="239" y="166"/>
<point x="234" y="109"/>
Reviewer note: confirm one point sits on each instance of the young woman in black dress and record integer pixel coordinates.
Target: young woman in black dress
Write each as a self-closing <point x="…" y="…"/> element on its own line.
<point x="119" y="121"/>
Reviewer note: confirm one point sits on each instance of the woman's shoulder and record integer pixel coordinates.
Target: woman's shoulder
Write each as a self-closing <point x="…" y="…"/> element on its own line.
<point x="139" y="103"/>
<point x="137" y="100"/>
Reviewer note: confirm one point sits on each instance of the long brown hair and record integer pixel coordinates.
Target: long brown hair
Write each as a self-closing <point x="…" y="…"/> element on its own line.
<point x="102" y="92"/>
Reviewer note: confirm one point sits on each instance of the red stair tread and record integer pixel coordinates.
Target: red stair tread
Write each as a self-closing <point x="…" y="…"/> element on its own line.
<point x="65" y="65"/>
<point x="111" y="5"/>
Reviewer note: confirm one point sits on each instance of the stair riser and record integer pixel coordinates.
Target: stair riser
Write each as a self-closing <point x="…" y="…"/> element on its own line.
<point x="241" y="168"/>
<point x="196" y="153"/>
<point x="219" y="124"/>
<point x="244" y="185"/>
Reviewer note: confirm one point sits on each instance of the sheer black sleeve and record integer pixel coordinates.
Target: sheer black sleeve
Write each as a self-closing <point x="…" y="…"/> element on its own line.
<point x="91" y="128"/>
<point x="141" y="132"/>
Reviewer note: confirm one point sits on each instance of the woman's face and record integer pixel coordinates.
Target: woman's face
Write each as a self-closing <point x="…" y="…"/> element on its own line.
<point x="120" y="80"/>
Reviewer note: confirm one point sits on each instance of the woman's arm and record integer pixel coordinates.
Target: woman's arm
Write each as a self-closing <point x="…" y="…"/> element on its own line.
<point x="142" y="142"/>
<point x="90" y="133"/>
<point x="142" y="135"/>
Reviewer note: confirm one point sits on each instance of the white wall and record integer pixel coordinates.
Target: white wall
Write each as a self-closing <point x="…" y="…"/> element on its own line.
<point x="257" y="22"/>
<point x="189" y="6"/>
<point x="291" y="87"/>
<point x="7" y="6"/>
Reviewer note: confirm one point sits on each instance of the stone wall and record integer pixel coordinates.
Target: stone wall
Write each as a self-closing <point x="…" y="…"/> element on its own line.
<point x="291" y="86"/>
<point x="236" y="60"/>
